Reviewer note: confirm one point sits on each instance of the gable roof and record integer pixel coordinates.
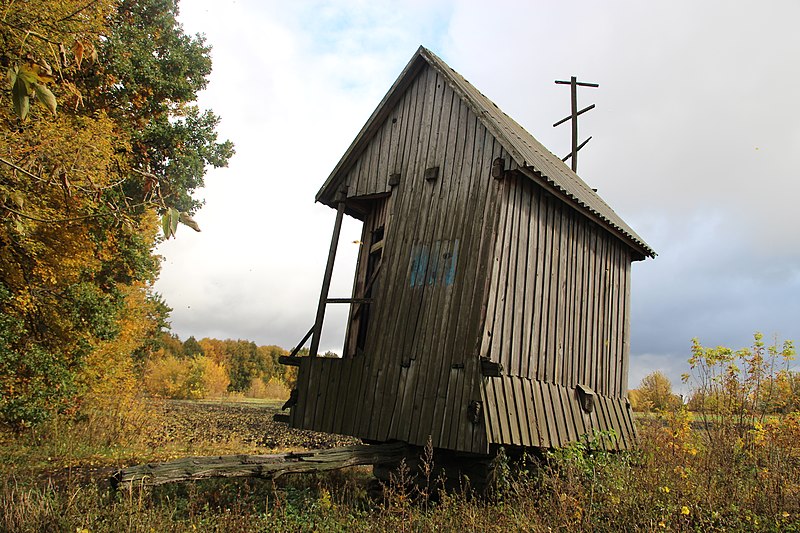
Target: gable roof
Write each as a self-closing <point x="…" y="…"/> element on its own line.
<point x="528" y="153"/>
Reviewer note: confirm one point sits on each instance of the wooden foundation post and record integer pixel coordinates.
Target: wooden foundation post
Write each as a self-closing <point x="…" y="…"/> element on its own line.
<point x="326" y="281"/>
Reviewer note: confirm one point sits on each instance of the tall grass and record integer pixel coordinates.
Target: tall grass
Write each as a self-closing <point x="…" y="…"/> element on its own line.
<point x="727" y="467"/>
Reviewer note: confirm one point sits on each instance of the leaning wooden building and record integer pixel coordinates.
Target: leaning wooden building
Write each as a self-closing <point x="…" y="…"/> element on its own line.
<point x="491" y="300"/>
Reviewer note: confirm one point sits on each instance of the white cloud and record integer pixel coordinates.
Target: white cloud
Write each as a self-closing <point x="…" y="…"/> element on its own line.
<point x="694" y="144"/>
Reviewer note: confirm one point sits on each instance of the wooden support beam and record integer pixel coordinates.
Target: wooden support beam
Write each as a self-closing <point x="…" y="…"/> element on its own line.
<point x="349" y="300"/>
<point x="262" y="466"/>
<point x="300" y="344"/>
<point x="288" y="360"/>
<point x="326" y="281"/>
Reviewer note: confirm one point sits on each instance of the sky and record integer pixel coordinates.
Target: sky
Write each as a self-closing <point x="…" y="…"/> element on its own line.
<point x="695" y="144"/>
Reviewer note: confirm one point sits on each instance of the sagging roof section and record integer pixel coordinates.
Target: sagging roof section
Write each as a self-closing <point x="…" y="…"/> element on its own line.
<point x="521" y="145"/>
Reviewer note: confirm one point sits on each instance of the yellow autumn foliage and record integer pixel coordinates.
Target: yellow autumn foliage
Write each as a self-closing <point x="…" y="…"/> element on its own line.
<point x="190" y="378"/>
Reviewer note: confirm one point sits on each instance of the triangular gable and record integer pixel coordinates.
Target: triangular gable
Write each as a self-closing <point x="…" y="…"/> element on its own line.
<point x="528" y="153"/>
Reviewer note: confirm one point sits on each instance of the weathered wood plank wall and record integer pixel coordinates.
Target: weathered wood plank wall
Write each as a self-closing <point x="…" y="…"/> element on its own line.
<point x="472" y="266"/>
<point x="558" y="298"/>
<point x="420" y="369"/>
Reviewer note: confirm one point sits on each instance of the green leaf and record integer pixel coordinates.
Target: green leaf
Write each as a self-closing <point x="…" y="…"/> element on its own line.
<point x="19" y="95"/>
<point x="174" y="217"/>
<point x="27" y="73"/>
<point x="46" y="97"/>
<point x="165" y="225"/>
<point x="169" y="222"/>
<point x="189" y="221"/>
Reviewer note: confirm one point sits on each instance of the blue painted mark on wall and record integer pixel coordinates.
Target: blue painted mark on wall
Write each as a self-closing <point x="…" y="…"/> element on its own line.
<point x="433" y="264"/>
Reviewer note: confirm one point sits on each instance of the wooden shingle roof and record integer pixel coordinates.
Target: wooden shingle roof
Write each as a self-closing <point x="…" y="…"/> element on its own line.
<point x="528" y="153"/>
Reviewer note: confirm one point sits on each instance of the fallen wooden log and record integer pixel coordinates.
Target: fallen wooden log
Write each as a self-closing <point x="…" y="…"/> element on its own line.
<point x="261" y="466"/>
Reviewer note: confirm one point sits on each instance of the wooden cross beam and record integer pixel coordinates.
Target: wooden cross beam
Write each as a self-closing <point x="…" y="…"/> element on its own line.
<point x="573" y="116"/>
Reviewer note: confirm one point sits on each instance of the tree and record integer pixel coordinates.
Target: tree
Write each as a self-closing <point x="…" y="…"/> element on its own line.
<point x="192" y="348"/>
<point x="655" y="393"/>
<point x="84" y="177"/>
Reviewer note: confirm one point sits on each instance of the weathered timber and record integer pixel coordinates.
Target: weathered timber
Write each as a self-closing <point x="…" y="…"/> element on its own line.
<point x="481" y="298"/>
<point x="260" y="466"/>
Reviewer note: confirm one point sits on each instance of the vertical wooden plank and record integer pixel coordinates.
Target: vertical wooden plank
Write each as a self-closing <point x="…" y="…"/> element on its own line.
<point x="580" y="318"/>
<point x="521" y="274"/>
<point x="558" y="414"/>
<point x="616" y="352"/>
<point x="324" y="396"/>
<point x="445" y="232"/>
<point x="396" y="421"/>
<point x="544" y="316"/>
<point x="456" y="411"/>
<point x="577" y="414"/>
<point x="561" y="302"/>
<point x="501" y="400"/>
<point x="521" y="411"/>
<point x="597" y="338"/>
<point x="349" y="369"/>
<point x="573" y="413"/>
<point x="387" y="348"/>
<point x="477" y="311"/>
<point x="481" y="206"/>
<point x="384" y="157"/>
<point x="571" y="310"/>
<point x="467" y="342"/>
<point x="603" y="423"/>
<point x="312" y="398"/>
<point x="337" y="395"/>
<point x="619" y="423"/>
<point x="352" y="179"/>
<point x="549" y="415"/>
<point x="297" y="413"/>
<point x="460" y="143"/>
<point x="505" y="314"/>
<point x="542" y="427"/>
<point x="381" y="347"/>
<point x="602" y="345"/>
<point x="626" y="329"/>
<point x="494" y="410"/>
<point x="511" y="410"/>
<point x="537" y="298"/>
<point x="345" y="419"/>
<point x="416" y="411"/>
<point x="583" y="329"/>
<point x="491" y="347"/>
<point x="591" y="353"/>
<point x="528" y="367"/>
<point x="556" y="298"/>
<point x="530" y="412"/>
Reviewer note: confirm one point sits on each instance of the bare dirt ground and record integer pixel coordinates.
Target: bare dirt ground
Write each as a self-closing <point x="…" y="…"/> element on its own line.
<point x="199" y="429"/>
<point x="250" y="423"/>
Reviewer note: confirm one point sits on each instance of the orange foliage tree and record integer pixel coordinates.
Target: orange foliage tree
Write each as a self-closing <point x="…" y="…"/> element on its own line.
<point x="100" y="147"/>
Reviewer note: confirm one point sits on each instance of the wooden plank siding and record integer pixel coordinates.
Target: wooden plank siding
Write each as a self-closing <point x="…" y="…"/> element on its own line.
<point x="473" y="266"/>
<point x="420" y="367"/>
<point x="556" y="317"/>
<point x="552" y="415"/>
<point x="575" y="280"/>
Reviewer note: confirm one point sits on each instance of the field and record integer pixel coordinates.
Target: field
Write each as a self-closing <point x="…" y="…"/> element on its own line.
<point x="680" y="479"/>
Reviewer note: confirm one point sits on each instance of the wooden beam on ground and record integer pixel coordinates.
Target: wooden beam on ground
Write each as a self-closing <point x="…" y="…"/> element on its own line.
<point x="261" y="466"/>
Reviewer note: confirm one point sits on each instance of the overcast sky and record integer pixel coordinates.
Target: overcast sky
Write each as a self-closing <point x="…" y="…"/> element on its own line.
<point x="696" y="144"/>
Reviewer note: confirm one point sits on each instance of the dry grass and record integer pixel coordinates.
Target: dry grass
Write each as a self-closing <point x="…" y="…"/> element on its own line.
<point x="680" y="479"/>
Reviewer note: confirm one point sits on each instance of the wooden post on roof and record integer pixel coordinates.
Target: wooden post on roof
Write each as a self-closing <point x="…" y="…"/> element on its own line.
<point x="326" y="280"/>
<point x="573" y="86"/>
<point x="573" y="116"/>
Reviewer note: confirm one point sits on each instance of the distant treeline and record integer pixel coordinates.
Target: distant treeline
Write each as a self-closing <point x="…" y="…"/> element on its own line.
<point x="193" y="369"/>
